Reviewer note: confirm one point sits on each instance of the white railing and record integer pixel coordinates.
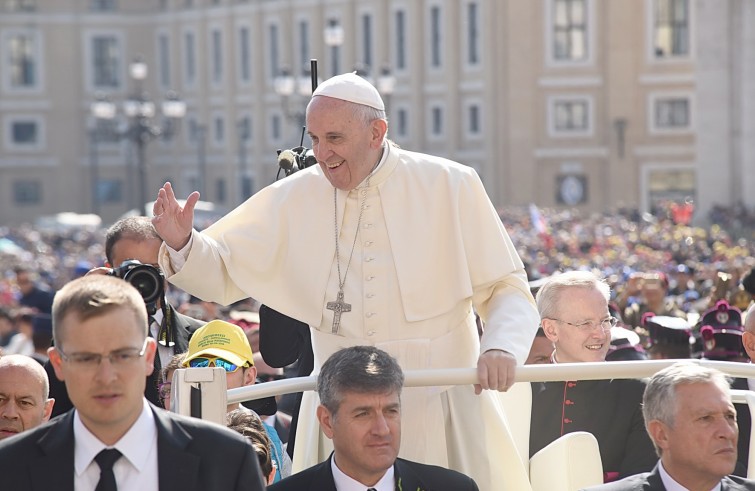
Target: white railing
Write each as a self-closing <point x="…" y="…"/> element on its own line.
<point x="531" y="373"/>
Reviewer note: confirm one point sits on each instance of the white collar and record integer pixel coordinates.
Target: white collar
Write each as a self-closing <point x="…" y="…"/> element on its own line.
<point x="671" y="485"/>
<point x="132" y="445"/>
<point x="347" y="483"/>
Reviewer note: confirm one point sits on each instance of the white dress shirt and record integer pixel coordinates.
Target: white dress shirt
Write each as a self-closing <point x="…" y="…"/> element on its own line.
<point x="672" y="485"/>
<point x="135" y="470"/>
<point x="346" y="483"/>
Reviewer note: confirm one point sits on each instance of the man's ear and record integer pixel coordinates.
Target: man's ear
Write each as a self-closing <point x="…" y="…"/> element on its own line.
<point x="748" y="341"/>
<point x="550" y="330"/>
<point x="379" y="128"/>
<point x="56" y="361"/>
<point x="659" y="433"/>
<point x="250" y="376"/>
<point x="326" y="420"/>
<point x="49" y="403"/>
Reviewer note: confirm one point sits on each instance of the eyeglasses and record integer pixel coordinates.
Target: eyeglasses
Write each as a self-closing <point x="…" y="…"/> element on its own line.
<point x="202" y="362"/>
<point x="605" y="325"/>
<point x="118" y="359"/>
<point x="163" y="390"/>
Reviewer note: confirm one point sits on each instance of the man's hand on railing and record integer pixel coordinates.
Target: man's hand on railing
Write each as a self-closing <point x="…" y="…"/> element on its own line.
<point x="495" y="370"/>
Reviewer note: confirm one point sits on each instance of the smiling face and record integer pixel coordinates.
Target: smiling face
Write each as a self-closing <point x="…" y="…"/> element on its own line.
<point x="108" y="398"/>
<point x="346" y="147"/>
<point x="701" y="447"/>
<point x="366" y="433"/>
<point x="579" y="305"/>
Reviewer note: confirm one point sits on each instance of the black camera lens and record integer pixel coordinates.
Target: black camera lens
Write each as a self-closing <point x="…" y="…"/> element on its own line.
<point x="146" y="282"/>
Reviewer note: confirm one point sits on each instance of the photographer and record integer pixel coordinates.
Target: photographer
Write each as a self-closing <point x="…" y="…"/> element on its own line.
<point x="131" y="249"/>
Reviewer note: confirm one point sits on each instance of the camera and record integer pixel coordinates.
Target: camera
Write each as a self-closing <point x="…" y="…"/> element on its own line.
<point x="147" y="279"/>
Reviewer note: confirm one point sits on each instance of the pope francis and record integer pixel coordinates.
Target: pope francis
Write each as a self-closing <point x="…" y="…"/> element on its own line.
<point x="377" y="246"/>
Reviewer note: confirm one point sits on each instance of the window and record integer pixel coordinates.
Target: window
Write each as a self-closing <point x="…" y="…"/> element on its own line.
<point x="190" y="61"/>
<point x="27" y="192"/>
<point x="110" y="191"/>
<point x="245" y="129"/>
<point x="245" y="57"/>
<point x="24" y="133"/>
<point x="474" y="119"/>
<point x="247" y="186"/>
<point x="219" y="129"/>
<point x="221" y="191"/>
<point x="437" y="121"/>
<point x="435" y="48"/>
<point x="570" y="115"/>
<point x="304" y="55"/>
<point x="367" y="40"/>
<point x="23" y="63"/>
<point x="217" y="57"/>
<point x="400" y="40"/>
<point x="672" y="113"/>
<point x="671" y="28"/>
<point x="570" y="30"/>
<point x="274" y="52"/>
<point x="164" y="57"/>
<point x="106" y="60"/>
<point x="275" y="127"/>
<point x="103" y="5"/>
<point x="473" y="33"/>
<point x="402" y="123"/>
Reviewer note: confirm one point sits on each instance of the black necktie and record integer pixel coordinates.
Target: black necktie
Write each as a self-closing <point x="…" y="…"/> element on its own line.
<point x="371" y="489"/>
<point x="105" y="460"/>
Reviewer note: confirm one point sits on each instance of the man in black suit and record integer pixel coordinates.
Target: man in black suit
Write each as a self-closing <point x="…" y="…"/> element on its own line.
<point x="574" y="315"/>
<point x="136" y="238"/>
<point x="114" y="437"/>
<point x="692" y="422"/>
<point x="360" y="410"/>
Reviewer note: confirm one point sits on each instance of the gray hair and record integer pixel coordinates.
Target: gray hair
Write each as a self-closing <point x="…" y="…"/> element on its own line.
<point x="93" y="296"/>
<point x="659" y="400"/>
<point x="361" y="369"/>
<point x="363" y="113"/>
<point x="549" y="294"/>
<point x="138" y="229"/>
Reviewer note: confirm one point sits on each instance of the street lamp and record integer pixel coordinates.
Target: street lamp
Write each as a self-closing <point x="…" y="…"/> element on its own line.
<point x="386" y="85"/>
<point x="334" y="40"/>
<point x="291" y="89"/>
<point x="140" y="110"/>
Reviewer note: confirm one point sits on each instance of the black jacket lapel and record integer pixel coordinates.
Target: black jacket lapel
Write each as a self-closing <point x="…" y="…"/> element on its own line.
<point x="177" y="469"/>
<point x="54" y="470"/>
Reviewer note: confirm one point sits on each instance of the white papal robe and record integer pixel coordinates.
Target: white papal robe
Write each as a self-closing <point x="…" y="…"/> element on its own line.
<point x="430" y="247"/>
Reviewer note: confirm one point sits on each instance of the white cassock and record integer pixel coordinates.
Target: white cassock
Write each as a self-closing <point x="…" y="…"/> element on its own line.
<point x="430" y="247"/>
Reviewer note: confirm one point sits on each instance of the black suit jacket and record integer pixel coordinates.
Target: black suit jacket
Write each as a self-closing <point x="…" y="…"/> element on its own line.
<point x="413" y="476"/>
<point x="188" y="458"/>
<point x="651" y="481"/>
<point x="744" y="422"/>
<point x="184" y="327"/>
<point x="609" y="409"/>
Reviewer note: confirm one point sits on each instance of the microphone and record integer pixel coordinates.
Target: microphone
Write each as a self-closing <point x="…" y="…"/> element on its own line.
<point x="287" y="160"/>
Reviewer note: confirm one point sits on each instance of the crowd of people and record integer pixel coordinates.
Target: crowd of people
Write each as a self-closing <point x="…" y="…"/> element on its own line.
<point x="442" y="290"/>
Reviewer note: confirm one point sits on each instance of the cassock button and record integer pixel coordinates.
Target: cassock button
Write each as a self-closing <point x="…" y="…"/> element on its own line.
<point x="370" y="278"/>
<point x="370" y="259"/>
<point x="367" y="225"/>
<point x="368" y="243"/>
<point x="567" y="420"/>
<point x="371" y="314"/>
<point x="571" y="384"/>
<point x="370" y="295"/>
<point x="370" y="333"/>
<point x="568" y="402"/>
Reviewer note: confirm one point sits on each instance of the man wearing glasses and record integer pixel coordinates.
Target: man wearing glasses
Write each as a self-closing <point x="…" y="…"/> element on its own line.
<point x="114" y="438"/>
<point x="574" y="314"/>
<point x="222" y="344"/>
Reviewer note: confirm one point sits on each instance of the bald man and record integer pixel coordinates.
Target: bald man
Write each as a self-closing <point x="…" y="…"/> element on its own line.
<point x="24" y="395"/>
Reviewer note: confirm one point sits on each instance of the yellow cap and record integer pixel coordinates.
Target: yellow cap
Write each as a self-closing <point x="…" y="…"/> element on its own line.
<point x="220" y="339"/>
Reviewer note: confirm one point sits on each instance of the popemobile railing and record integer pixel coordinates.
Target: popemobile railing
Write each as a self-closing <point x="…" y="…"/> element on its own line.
<point x="526" y="373"/>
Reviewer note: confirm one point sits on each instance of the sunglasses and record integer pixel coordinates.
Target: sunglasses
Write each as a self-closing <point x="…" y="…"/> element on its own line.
<point x="202" y="362"/>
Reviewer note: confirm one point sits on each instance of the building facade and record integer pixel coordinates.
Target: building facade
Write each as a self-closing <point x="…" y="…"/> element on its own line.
<point x="589" y="103"/>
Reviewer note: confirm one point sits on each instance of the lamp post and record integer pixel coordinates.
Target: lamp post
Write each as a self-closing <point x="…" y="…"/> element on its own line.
<point x="386" y="85"/>
<point x="140" y="111"/>
<point x="334" y="39"/>
<point x="291" y="89"/>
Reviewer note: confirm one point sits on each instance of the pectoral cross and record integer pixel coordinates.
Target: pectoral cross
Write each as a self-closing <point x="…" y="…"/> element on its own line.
<point x="338" y="307"/>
